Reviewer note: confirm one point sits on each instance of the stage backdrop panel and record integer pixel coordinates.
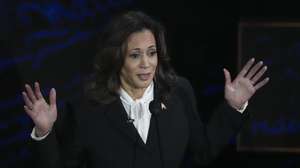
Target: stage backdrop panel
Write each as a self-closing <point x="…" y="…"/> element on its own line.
<point x="52" y="42"/>
<point x="274" y="123"/>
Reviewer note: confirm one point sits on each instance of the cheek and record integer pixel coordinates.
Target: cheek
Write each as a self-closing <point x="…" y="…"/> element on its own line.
<point x="129" y="69"/>
<point x="155" y="64"/>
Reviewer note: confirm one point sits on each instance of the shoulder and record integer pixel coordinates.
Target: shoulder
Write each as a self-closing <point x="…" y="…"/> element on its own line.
<point x="183" y="89"/>
<point x="183" y="84"/>
<point x="82" y="108"/>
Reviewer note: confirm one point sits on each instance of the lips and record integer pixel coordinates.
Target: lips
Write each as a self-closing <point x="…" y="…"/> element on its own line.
<point x="144" y="76"/>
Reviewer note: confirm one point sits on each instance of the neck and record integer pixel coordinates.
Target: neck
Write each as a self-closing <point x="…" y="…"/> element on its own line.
<point x="133" y="92"/>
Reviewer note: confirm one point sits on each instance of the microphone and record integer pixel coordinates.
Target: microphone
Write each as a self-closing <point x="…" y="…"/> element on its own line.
<point x="129" y="120"/>
<point x="154" y="107"/>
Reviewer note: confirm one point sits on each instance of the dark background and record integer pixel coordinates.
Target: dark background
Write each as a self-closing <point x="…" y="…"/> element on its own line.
<point x="54" y="42"/>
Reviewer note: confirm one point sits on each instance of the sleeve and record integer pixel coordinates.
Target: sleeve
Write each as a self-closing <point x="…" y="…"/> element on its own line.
<point x="243" y="108"/>
<point x="61" y="148"/>
<point x="35" y="137"/>
<point x="207" y="141"/>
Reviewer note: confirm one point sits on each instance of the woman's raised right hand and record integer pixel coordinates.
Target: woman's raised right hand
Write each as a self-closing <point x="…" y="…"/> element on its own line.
<point x="43" y="114"/>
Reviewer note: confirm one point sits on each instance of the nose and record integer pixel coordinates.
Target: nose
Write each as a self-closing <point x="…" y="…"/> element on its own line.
<point x="144" y="61"/>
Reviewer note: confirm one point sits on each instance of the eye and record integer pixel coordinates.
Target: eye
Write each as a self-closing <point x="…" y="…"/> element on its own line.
<point x="134" y="55"/>
<point x="153" y="53"/>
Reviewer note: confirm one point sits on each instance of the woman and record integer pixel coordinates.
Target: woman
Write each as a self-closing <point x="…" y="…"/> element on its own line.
<point x="136" y="112"/>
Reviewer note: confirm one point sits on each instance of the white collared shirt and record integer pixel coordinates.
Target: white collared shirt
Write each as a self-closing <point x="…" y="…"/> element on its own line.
<point x="138" y="110"/>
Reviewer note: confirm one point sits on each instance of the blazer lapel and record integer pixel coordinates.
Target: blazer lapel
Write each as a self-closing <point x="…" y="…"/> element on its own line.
<point x="172" y="125"/>
<point x="117" y="115"/>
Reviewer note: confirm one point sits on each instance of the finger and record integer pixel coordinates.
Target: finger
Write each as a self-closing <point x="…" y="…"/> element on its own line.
<point x="245" y="69"/>
<point x="30" y="93"/>
<point x="38" y="91"/>
<point x="27" y="101"/>
<point x="261" y="83"/>
<point x="254" y="69"/>
<point x="52" y="97"/>
<point x="259" y="74"/>
<point x="28" y="111"/>
<point x="227" y="76"/>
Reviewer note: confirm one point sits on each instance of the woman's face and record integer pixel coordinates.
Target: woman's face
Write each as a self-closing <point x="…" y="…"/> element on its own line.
<point x="140" y="61"/>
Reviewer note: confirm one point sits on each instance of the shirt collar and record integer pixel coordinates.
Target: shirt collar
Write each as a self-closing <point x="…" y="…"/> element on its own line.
<point x="146" y="98"/>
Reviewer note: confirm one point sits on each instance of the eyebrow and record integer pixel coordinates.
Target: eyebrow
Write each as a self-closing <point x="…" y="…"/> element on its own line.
<point x="135" y="49"/>
<point x="138" y="49"/>
<point x="152" y="46"/>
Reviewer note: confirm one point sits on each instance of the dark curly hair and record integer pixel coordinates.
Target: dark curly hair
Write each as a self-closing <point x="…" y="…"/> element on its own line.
<point x="110" y="57"/>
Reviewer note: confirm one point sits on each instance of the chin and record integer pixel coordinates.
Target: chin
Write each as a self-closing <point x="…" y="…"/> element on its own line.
<point x="143" y="84"/>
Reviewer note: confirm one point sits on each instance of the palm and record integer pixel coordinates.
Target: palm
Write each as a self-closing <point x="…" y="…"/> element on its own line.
<point x="43" y="114"/>
<point x="244" y="86"/>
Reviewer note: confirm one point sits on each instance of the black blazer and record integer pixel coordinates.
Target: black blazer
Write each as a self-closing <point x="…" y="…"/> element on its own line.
<point x="99" y="135"/>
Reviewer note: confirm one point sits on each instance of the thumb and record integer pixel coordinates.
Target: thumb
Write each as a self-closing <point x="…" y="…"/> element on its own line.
<point x="227" y="76"/>
<point x="52" y="97"/>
